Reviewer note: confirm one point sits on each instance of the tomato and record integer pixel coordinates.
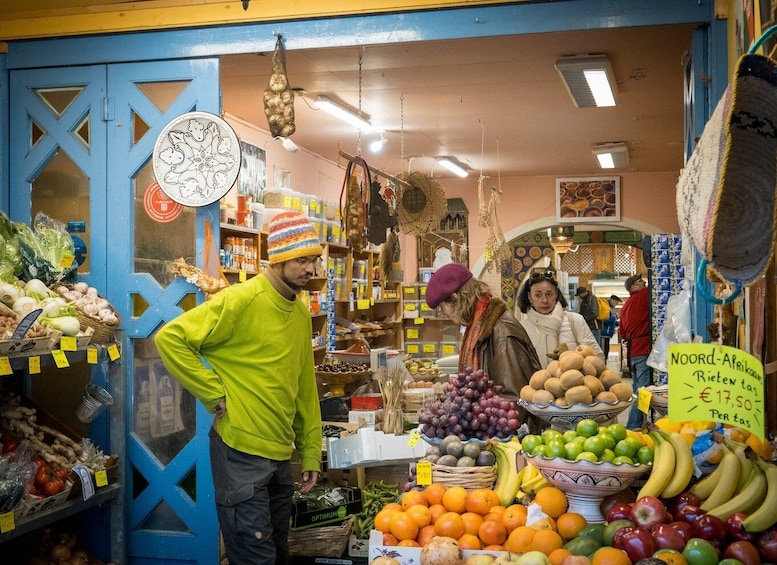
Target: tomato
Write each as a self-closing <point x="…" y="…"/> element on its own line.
<point x="61" y="473"/>
<point x="54" y="486"/>
<point x="42" y="476"/>
<point x="700" y="552"/>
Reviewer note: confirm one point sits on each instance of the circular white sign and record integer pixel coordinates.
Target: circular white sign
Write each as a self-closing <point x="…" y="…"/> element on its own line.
<point x="196" y="158"/>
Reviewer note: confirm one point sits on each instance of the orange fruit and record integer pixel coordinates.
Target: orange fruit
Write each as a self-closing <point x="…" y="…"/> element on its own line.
<point x="469" y="541"/>
<point x="436" y="510"/>
<point x="411" y="498"/>
<point x="495" y="513"/>
<point x="546" y="541"/>
<point x="389" y="539"/>
<point x="472" y="522"/>
<point x="392" y="507"/>
<point x="481" y="500"/>
<point x="383" y="520"/>
<point x="409" y="543"/>
<point x="569" y="524"/>
<point x="425" y="535"/>
<point x="514" y="516"/>
<point x="454" y="500"/>
<point x="492" y="532"/>
<point x="495" y="547"/>
<point x="450" y="525"/>
<point x="670" y="557"/>
<point x="546" y="523"/>
<point x="552" y="500"/>
<point x="403" y="526"/>
<point x="420" y="515"/>
<point x="433" y="493"/>
<point x="519" y="539"/>
<point x="557" y="555"/>
<point x="610" y="556"/>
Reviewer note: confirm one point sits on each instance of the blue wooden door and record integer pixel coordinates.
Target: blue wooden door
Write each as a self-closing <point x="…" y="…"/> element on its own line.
<point x="83" y="155"/>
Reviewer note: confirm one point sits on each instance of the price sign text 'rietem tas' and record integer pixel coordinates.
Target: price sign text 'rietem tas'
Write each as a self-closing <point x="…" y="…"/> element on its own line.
<point x="717" y="383"/>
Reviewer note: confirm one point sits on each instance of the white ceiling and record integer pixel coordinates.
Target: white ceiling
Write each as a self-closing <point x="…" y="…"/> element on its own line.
<point x="497" y="104"/>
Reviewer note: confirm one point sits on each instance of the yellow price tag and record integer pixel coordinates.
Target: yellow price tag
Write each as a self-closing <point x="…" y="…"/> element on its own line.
<point x="60" y="359"/>
<point x="363" y="304"/>
<point x="295" y="202"/>
<point x="449" y="349"/>
<point x="410" y="307"/>
<point x="287" y="202"/>
<point x="412" y="333"/>
<point x="429" y="347"/>
<point x="418" y="321"/>
<point x="413" y="439"/>
<point x="5" y="366"/>
<point x="101" y="478"/>
<point x="33" y="365"/>
<point x="423" y="291"/>
<point x="423" y="473"/>
<point x="411" y="348"/>
<point x="7" y="522"/>
<point x="409" y="290"/>
<point x="68" y="343"/>
<point x="241" y="276"/>
<point x="91" y="355"/>
<point x="113" y="352"/>
<point x="644" y="396"/>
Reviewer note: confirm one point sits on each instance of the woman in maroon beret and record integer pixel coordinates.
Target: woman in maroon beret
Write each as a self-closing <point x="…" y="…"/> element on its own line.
<point x="494" y="340"/>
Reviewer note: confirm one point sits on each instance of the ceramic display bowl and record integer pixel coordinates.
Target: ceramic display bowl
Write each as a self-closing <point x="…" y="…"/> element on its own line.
<point x="567" y="417"/>
<point x="586" y="483"/>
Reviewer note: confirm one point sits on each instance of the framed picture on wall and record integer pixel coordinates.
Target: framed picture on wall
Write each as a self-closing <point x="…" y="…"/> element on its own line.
<point x="588" y="199"/>
<point x="252" y="179"/>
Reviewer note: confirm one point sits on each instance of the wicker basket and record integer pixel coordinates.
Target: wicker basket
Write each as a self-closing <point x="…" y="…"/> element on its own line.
<point x="468" y="477"/>
<point x="324" y="541"/>
<point x="102" y="332"/>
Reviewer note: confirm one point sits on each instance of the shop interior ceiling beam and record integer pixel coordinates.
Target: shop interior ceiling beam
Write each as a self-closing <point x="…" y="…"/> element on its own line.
<point x="473" y="18"/>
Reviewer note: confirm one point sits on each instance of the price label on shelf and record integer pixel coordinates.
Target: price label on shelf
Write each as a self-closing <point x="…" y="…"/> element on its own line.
<point x="113" y="352"/>
<point x="423" y="473"/>
<point x="68" y="343"/>
<point x="5" y="366"/>
<point x="101" y="478"/>
<point x="91" y="356"/>
<point x="60" y="359"/>
<point x="33" y="365"/>
<point x="716" y="383"/>
<point x="7" y="522"/>
<point x="643" y="400"/>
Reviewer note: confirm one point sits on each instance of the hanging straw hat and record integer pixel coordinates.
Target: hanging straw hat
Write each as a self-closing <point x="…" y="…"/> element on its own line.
<point x="421" y="203"/>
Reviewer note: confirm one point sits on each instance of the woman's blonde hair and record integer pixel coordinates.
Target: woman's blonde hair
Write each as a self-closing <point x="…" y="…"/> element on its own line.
<point x="466" y="298"/>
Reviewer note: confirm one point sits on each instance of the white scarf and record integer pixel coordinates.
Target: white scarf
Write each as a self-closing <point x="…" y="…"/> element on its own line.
<point x="544" y="330"/>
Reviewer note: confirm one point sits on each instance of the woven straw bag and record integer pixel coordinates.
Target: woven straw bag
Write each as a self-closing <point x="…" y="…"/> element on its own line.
<point x="726" y="193"/>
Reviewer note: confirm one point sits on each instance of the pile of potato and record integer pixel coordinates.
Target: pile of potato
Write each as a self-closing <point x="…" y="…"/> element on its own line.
<point x="577" y="377"/>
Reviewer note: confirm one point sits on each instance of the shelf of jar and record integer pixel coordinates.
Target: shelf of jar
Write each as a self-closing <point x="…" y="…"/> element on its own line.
<point x="241" y="229"/>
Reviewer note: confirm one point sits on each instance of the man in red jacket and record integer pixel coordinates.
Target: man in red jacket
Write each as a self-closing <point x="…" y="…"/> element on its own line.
<point x="635" y="329"/>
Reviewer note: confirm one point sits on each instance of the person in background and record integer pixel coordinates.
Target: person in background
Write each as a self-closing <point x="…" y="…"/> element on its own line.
<point x="247" y="355"/>
<point x="634" y="329"/>
<point x="588" y="308"/>
<point x="494" y="341"/>
<point x="547" y="321"/>
<point x="608" y="326"/>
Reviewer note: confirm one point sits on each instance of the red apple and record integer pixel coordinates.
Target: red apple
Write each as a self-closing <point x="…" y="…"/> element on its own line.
<point x="619" y="511"/>
<point x="689" y="514"/>
<point x="735" y="529"/>
<point x="616" y="537"/>
<point x="710" y="528"/>
<point x="647" y="512"/>
<point x="767" y="545"/>
<point x="682" y="499"/>
<point x="667" y="537"/>
<point x="744" y="551"/>
<point x="683" y="529"/>
<point x="636" y="542"/>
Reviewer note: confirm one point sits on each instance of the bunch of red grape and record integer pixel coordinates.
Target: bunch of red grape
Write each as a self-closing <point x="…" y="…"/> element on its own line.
<point x="470" y="408"/>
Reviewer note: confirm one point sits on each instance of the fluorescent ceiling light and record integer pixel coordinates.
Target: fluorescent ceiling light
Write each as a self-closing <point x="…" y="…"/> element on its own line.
<point x="612" y="155"/>
<point x="589" y="79"/>
<point x="453" y="166"/>
<point x="358" y="121"/>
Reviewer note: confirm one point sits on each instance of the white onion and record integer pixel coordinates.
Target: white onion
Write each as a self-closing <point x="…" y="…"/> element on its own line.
<point x="24" y="305"/>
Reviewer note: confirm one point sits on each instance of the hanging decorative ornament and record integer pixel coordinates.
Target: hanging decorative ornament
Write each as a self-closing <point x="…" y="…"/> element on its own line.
<point x="279" y="97"/>
<point x="497" y="251"/>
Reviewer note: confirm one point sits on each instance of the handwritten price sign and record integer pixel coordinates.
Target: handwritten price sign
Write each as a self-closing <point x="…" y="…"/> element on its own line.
<point x="718" y="383"/>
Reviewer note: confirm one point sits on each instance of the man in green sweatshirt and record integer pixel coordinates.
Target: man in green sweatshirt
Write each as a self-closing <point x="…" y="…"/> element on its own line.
<point x="247" y="355"/>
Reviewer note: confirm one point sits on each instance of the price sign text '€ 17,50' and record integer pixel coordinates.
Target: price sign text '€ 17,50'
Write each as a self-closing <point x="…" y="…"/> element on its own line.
<point x="717" y="383"/>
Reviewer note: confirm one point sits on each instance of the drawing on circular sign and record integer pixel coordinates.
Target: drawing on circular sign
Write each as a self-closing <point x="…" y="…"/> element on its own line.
<point x="159" y="206"/>
<point x="196" y="158"/>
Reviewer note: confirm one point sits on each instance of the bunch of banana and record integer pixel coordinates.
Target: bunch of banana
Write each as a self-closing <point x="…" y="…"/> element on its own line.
<point x="672" y="465"/>
<point x="508" y="479"/>
<point x="532" y="481"/>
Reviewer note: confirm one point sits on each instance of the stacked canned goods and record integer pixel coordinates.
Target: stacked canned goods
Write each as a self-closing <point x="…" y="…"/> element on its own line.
<point x="239" y="253"/>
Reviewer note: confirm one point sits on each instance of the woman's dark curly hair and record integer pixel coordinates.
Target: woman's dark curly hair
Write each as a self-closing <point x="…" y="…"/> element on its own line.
<point x="523" y="295"/>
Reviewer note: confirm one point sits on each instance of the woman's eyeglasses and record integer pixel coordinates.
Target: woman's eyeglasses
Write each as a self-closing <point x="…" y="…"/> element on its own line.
<point x="543" y="275"/>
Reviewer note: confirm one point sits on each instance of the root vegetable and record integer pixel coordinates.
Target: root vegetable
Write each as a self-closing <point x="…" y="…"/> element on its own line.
<point x="59" y="552"/>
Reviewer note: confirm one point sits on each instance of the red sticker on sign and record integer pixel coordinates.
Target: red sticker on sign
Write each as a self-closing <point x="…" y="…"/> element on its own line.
<point x="159" y="206"/>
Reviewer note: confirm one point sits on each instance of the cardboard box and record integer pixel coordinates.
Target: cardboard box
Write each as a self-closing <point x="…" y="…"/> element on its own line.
<point x="32" y="504"/>
<point x="371" y="401"/>
<point x="358" y="547"/>
<point x="371" y="447"/>
<point x="369" y="418"/>
<point x="302" y="518"/>
<point x="408" y="555"/>
<point x="345" y="429"/>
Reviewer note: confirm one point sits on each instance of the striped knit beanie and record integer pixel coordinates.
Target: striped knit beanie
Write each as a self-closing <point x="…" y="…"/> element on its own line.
<point x="291" y="236"/>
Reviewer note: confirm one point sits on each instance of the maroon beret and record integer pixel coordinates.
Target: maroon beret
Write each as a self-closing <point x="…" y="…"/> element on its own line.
<point x="445" y="281"/>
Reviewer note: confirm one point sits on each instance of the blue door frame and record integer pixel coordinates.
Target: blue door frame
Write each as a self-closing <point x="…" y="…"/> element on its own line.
<point x="455" y="23"/>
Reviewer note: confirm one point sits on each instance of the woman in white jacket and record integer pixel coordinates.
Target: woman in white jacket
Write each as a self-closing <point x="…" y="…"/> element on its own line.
<point x="546" y="320"/>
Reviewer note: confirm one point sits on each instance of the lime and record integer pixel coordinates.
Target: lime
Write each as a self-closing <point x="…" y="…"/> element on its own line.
<point x="573" y="449"/>
<point x="623" y="459"/>
<point x="608" y="455"/>
<point x="529" y="442"/>
<point x="587" y="456"/>
<point x="555" y="448"/>
<point x="609" y="441"/>
<point x="569" y="435"/>
<point x="595" y="445"/>
<point x="541" y="449"/>
<point x="625" y="448"/>
<point x="550" y="434"/>
<point x="618" y="431"/>
<point x="587" y="427"/>
<point x="645" y="454"/>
